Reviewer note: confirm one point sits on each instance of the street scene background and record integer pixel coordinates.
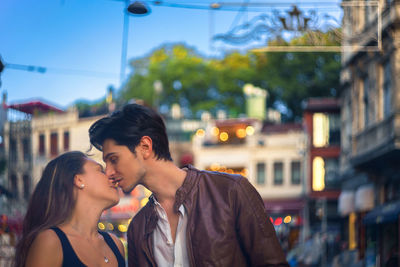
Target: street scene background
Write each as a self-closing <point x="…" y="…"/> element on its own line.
<point x="299" y="97"/>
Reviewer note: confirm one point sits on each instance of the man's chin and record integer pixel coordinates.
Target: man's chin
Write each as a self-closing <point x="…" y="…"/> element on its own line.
<point x="128" y="190"/>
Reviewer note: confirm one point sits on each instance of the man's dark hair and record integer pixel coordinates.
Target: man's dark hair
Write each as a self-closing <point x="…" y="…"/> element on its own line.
<point x="128" y="126"/>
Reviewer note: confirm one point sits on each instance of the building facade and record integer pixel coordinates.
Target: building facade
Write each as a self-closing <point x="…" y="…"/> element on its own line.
<point x="370" y="99"/>
<point x="322" y="125"/>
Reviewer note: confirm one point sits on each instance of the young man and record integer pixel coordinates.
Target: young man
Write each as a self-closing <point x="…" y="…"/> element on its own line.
<point x="193" y="218"/>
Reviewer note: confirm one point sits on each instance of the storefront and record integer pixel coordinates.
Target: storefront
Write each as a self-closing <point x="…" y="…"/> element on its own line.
<point x="382" y="233"/>
<point x="286" y="216"/>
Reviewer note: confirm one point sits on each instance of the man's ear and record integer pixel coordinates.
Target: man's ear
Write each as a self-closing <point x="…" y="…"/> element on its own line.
<point x="146" y="146"/>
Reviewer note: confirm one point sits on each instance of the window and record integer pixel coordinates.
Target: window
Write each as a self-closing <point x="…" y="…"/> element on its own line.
<point x="348" y="122"/>
<point x="387" y="89"/>
<point x="366" y="101"/>
<point x="278" y="173"/>
<point x="326" y="129"/>
<point x="334" y="129"/>
<point x="26" y="150"/>
<point x="54" y="144"/>
<point x="331" y="173"/>
<point x="392" y="191"/>
<point x="14" y="185"/>
<point x="296" y="172"/>
<point x="367" y="11"/>
<point x="13" y="151"/>
<point x="41" y="145"/>
<point x="325" y="173"/>
<point x="66" y="141"/>
<point x="261" y="173"/>
<point x="27" y="186"/>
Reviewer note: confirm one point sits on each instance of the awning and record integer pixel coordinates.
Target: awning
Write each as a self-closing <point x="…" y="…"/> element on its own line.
<point x="364" y="198"/>
<point x="284" y="206"/>
<point x="385" y="213"/>
<point x="346" y="203"/>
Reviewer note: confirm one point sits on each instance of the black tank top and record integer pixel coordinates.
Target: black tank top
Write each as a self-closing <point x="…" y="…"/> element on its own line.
<point x="70" y="259"/>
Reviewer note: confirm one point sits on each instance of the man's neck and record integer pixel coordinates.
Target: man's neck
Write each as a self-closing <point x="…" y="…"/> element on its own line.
<point x="164" y="179"/>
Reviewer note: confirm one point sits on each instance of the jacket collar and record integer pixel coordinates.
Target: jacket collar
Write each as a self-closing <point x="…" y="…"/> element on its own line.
<point x="181" y="195"/>
<point x="151" y="216"/>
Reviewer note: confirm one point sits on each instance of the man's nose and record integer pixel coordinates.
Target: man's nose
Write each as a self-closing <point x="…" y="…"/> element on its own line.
<point x="110" y="172"/>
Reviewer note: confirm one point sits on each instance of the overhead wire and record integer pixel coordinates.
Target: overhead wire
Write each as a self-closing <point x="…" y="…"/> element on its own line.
<point x="62" y="71"/>
<point x="236" y="6"/>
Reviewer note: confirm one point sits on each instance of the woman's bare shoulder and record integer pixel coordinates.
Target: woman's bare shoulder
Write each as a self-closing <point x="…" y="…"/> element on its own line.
<point x="46" y="250"/>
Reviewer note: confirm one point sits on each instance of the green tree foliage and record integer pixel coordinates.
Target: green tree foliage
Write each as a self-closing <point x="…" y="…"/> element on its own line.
<point x="292" y="77"/>
<point x="231" y="74"/>
<point x="198" y="83"/>
<point x="193" y="81"/>
<point x="88" y="109"/>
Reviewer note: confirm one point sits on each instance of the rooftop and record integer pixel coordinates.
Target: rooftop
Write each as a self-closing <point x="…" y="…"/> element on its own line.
<point x="282" y="128"/>
<point x="322" y="104"/>
<point x="35" y="106"/>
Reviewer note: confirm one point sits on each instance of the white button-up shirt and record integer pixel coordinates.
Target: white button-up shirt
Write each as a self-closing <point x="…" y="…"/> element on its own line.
<point x="167" y="253"/>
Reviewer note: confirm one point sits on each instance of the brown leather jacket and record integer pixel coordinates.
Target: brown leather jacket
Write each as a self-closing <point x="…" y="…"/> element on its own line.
<point x="227" y="224"/>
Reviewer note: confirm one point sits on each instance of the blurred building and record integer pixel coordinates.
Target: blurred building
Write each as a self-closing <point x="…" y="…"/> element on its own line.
<point x="18" y="148"/>
<point x="16" y="169"/>
<point x="322" y="123"/>
<point x="369" y="164"/>
<point x="269" y="155"/>
<point x="56" y="133"/>
<point x="180" y="132"/>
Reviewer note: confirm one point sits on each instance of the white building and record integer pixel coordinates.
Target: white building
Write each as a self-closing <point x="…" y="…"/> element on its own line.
<point x="270" y="160"/>
<point x="270" y="156"/>
<point x="56" y="133"/>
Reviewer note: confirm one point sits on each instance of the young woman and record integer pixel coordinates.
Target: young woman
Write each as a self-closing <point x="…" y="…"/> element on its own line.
<point x="60" y="226"/>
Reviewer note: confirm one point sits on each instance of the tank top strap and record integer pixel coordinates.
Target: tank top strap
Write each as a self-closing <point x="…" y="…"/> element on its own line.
<point x="110" y="242"/>
<point x="70" y="258"/>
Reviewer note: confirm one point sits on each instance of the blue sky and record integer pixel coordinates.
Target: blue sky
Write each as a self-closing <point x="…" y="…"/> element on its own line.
<point x="79" y="42"/>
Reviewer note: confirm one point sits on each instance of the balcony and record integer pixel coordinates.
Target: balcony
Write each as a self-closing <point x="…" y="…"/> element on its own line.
<point x="367" y="35"/>
<point x="377" y="145"/>
<point x="390" y="14"/>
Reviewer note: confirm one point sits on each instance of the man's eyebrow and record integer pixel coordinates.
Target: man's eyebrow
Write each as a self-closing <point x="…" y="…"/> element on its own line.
<point x="105" y="158"/>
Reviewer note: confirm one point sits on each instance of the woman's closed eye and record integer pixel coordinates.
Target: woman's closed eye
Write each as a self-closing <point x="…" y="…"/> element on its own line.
<point x="101" y="169"/>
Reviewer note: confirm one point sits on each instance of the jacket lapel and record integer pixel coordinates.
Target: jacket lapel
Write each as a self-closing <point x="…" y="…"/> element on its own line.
<point x="151" y="223"/>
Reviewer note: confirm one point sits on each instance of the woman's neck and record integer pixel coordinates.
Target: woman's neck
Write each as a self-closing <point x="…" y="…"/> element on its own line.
<point x="83" y="221"/>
